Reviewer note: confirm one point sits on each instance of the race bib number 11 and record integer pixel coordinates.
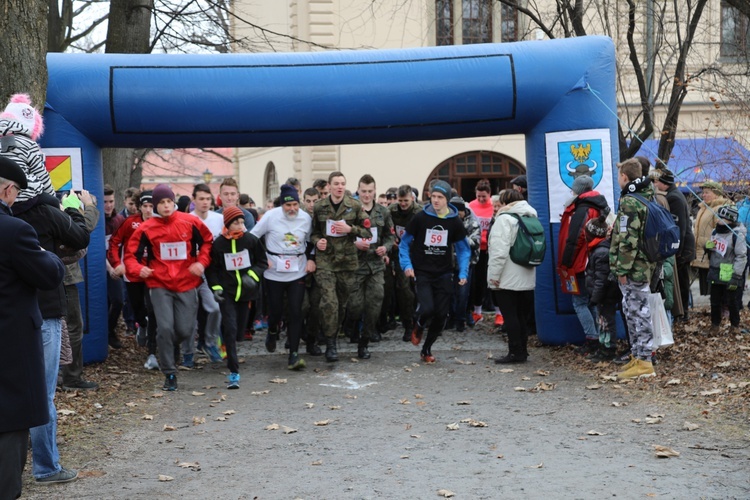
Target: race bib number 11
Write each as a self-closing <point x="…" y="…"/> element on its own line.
<point x="174" y="251"/>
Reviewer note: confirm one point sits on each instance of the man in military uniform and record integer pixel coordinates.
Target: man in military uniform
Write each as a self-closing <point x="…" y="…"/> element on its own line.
<point x="337" y="221"/>
<point x="401" y="213"/>
<point x="367" y="293"/>
<point x="631" y="267"/>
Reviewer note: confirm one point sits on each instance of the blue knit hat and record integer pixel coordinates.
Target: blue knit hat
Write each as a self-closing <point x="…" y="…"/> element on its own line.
<point x="443" y="188"/>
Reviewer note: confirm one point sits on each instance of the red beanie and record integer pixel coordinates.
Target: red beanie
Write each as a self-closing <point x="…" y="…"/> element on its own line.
<point x="231" y="214"/>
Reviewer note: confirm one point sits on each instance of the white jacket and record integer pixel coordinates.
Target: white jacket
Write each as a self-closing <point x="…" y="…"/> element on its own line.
<point x="501" y="269"/>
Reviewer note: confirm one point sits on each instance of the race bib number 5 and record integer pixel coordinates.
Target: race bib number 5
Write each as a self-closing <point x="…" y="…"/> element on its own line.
<point x="237" y="261"/>
<point x="174" y="251"/>
<point x="287" y="263"/>
<point x="436" y="238"/>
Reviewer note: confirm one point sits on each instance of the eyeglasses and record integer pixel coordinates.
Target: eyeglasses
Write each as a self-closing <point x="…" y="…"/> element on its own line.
<point x="18" y="189"/>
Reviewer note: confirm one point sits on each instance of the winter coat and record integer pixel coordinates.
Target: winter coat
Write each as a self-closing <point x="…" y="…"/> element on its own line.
<point x="705" y="222"/>
<point x="474" y="233"/>
<point x="572" y="248"/>
<point x="601" y="284"/>
<point x="151" y="244"/>
<point x="53" y="228"/>
<point x="626" y="258"/>
<point x="24" y="268"/>
<point x="680" y="211"/>
<point x="501" y="268"/>
<point x="73" y="274"/>
<point x="382" y="224"/>
<point x="118" y="243"/>
<point x="19" y="147"/>
<point x="248" y="255"/>
<point x="728" y="248"/>
<point x="340" y="253"/>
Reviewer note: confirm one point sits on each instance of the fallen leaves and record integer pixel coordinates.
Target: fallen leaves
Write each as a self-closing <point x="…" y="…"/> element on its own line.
<point x="272" y="427"/>
<point x="168" y="428"/>
<point x="688" y="426"/>
<point x="665" y="452"/>
<point x="593" y="387"/>
<point x="195" y="466"/>
<point x="322" y="423"/>
<point x="473" y="423"/>
<point x="196" y="393"/>
<point x="278" y="381"/>
<point x="445" y="493"/>
<point x="711" y="392"/>
<point x="452" y="427"/>
<point x="260" y="393"/>
<point x="147" y="417"/>
<point x="595" y="433"/>
<point x="199" y="420"/>
<point x="165" y="478"/>
<point x="66" y="413"/>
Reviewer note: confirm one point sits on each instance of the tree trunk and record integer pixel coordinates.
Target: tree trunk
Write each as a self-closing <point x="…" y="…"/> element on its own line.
<point x="23" y="45"/>
<point x="128" y="32"/>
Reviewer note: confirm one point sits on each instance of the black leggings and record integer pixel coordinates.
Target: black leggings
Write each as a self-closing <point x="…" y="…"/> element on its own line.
<point x="516" y="307"/>
<point x="295" y="293"/>
<point x="720" y="295"/>
<point x="433" y="303"/>
<point x="233" y="320"/>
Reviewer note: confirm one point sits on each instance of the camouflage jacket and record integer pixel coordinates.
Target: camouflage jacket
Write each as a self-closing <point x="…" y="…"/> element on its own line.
<point x="382" y="224"/>
<point x="625" y="256"/>
<point x="400" y="220"/>
<point x="340" y="253"/>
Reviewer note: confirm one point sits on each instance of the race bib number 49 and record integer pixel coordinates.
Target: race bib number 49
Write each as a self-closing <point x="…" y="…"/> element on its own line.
<point x="436" y="238"/>
<point x="173" y="251"/>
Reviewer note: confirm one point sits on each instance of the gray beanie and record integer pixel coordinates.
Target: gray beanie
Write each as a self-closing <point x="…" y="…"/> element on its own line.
<point x="582" y="184"/>
<point x="443" y="188"/>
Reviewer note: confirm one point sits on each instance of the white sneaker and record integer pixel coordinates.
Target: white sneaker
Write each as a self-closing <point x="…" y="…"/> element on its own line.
<point x="151" y="363"/>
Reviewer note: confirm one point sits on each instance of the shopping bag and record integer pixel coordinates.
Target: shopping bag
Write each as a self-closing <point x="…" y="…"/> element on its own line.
<point x="660" y="321"/>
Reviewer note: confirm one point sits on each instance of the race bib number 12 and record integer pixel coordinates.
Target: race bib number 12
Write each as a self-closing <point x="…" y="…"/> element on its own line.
<point x="237" y="261"/>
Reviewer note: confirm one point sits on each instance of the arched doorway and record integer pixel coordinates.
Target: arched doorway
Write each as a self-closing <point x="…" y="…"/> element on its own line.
<point x="271" y="183"/>
<point x="464" y="170"/>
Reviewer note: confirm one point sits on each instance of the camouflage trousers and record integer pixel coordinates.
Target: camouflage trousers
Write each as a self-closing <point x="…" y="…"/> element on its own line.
<point x="366" y="298"/>
<point x="335" y="288"/>
<point x="636" y="309"/>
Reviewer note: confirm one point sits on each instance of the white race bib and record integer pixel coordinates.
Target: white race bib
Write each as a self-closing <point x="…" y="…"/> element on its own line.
<point x="436" y="238"/>
<point x="331" y="229"/>
<point x="484" y="223"/>
<point x="400" y="230"/>
<point x="173" y="251"/>
<point x="237" y="261"/>
<point x="720" y="244"/>
<point x="374" y="239"/>
<point x="286" y="263"/>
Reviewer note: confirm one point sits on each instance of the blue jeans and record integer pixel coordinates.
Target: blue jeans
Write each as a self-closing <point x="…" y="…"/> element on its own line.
<point x="586" y="315"/>
<point x="44" y="454"/>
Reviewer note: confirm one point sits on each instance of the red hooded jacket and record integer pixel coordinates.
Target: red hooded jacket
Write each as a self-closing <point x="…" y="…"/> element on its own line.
<point x="169" y="246"/>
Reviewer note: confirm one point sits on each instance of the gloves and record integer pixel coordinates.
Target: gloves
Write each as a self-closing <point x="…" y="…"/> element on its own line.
<point x="249" y="283"/>
<point x="219" y="296"/>
<point x="734" y="283"/>
<point x="710" y="245"/>
<point x="71" y="201"/>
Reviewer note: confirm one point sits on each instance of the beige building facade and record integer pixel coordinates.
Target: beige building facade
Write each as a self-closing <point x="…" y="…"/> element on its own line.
<point x="316" y="25"/>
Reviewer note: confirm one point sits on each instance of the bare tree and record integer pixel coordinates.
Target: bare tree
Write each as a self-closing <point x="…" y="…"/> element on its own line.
<point x="23" y="45"/>
<point x="657" y="57"/>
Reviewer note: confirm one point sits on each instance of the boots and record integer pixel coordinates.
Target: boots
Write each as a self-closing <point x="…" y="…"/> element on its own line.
<point x="604" y="354"/>
<point x="589" y="347"/>
<point x="311" y="346"/>
<point x="640" y="368"/>
<point x="114" y="342"/>
<point x="407" y="331"/>
<point x="362" y="351"/>
<point x="331" y="352"/>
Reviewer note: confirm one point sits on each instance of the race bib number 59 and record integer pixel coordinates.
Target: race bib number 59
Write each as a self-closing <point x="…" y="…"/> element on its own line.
<point x="436" y="238"/>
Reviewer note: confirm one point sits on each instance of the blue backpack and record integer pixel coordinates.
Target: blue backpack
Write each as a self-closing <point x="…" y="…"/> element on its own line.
<point x="661" y="234"/>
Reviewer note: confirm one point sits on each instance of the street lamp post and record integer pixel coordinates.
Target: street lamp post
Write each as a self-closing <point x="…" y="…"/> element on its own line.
<point x="207" y="176"/>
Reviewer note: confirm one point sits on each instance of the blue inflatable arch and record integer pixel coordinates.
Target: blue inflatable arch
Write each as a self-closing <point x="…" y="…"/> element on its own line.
<point x="342" y="97"/>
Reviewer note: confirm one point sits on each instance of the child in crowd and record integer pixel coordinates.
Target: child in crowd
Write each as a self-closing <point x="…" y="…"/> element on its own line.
<point x="237" y="264"/>
<point x="170" y="252"/>
<point x="602" y="287"/>
<point x="728" y="256"/>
